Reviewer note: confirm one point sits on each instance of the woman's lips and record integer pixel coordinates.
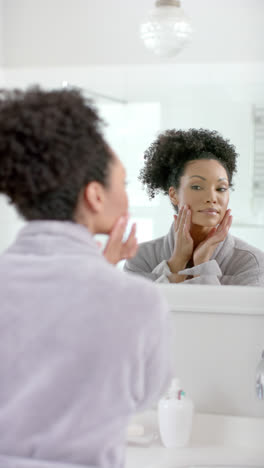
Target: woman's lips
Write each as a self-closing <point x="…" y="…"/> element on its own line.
<point x="209" y="212"/>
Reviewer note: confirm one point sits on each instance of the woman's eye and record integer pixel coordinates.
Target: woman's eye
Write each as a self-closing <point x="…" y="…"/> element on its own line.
<point x="196" y="187"/>
<point x="222" y="189"/>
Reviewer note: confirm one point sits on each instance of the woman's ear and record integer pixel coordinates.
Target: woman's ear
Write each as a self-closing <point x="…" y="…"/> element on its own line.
<point x="173" y="194"/>
<point x="94" y="197"/>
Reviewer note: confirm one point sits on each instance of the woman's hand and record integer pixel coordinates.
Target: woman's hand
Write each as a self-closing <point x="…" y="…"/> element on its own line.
<point x="183" y="248"/>
<point x="115" y="249"/>
<point x="205" y="249"/>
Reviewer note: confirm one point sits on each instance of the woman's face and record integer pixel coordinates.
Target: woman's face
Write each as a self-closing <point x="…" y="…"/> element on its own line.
<point x="204" y="187"/>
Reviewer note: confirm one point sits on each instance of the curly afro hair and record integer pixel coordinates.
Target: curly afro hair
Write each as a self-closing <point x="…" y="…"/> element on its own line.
<point x="50" y="147"/>
<point x="167" y="156"/>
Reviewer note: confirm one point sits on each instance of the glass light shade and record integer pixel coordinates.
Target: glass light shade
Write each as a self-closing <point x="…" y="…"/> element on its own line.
<point x="167" y="29"/>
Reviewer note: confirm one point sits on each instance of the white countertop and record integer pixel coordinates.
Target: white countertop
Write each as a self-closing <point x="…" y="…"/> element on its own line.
<point x="217" y="440"/>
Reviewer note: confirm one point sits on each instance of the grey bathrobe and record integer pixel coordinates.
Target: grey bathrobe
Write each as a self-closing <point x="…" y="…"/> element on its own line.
<point x="82" y="346"/>
<point x="233" y="262"/>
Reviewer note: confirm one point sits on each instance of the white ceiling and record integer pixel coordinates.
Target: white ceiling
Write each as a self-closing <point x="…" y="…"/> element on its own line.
<point x="39" y="33"/>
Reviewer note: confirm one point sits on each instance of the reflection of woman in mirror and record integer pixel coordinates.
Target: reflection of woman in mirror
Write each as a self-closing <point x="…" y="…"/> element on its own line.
<point x="78" y="352"/>
<point x="195" y="168"/>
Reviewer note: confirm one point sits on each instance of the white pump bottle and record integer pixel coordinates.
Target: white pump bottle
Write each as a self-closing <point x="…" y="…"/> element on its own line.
<point x="175" y="415"/>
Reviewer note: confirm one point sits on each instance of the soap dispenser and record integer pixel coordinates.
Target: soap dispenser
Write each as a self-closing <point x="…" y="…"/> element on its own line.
<point x="175" y="415"/>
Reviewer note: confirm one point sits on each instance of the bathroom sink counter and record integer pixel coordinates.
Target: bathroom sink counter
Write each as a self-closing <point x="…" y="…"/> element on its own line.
<point x="216" y="440"/>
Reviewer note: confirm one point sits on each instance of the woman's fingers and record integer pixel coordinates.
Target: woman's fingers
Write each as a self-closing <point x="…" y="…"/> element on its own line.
<point x="116" y="249"/>
<point x="187" y="224"/>
<point x="183" y="242"/>
<point x="177" y="219"/>
<point x="131" y="245"/>
<point x="229" y="222"/>
<point x="226" y="222"/>
<point x="205" y="249"/>
<point x="131" y="252"/>
<point x="113" y="248"/>
<point x="118" y="230"/>
<point x="181" y="220"/>
<point x="222" y="230"/>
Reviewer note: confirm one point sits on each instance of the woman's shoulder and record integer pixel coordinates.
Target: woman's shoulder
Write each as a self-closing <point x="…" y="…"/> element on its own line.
<point x="156" y="250"/>
<point x="148" y="256"/>
<point x="151" y="245"/>
<point x="240" y="262"/>
<point x="248" y="252"/>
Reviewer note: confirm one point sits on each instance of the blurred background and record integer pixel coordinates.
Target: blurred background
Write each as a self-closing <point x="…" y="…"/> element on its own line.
<point x="215" y="81"/>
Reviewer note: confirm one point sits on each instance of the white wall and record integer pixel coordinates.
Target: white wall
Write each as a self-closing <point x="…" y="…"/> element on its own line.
<point x="215" y="357"/>
<point x="216" y="344"/>
<point x="85" y="32"/>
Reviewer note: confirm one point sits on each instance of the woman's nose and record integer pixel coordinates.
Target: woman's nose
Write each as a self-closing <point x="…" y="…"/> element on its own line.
<point x="211" y="197"/>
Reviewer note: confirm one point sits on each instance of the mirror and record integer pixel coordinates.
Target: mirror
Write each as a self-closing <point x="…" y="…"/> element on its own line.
<point x="217" y="82"/>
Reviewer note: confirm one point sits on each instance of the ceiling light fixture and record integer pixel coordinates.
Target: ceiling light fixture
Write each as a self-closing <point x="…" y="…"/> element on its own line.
<point x="167" y="30"/>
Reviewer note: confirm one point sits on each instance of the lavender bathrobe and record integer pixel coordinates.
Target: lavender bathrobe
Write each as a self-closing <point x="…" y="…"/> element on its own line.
<point x="234" y="262"/>
<point x="82" y="346"/>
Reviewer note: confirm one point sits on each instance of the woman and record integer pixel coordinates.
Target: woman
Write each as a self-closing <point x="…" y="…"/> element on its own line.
<point x="83" y="345"/>
<point x="195" y="168"/>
